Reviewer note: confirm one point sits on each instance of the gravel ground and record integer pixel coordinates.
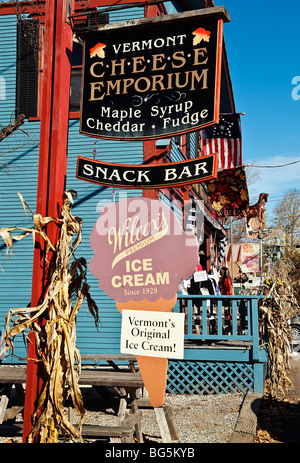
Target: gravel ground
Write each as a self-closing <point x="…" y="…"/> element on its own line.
<point x="205" y="418"/>
<point x="197" y="418"/>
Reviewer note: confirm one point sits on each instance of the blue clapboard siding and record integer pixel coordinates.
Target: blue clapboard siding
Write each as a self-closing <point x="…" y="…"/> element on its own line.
<point x="169" y="202"/>
<point x="18" y="173"/>
<point x="177" y="154"/>
<point x="124" y="14"/>
<point x="8" y="44"/>
<point x="193" y="144"/>
<point x="87" y="206"/>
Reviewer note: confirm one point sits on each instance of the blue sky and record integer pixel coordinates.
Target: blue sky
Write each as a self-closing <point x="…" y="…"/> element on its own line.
<point x="263" y="48"/>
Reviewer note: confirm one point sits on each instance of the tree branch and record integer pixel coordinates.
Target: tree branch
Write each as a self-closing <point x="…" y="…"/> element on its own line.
<point x="10" y="128"/>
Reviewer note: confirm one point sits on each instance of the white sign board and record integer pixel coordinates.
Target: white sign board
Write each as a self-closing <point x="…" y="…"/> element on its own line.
<point x="152" y="333"/>
<point x="200" y="276"/>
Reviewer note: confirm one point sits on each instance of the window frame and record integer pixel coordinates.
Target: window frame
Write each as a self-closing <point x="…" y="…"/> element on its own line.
<point x="28" y="71"/>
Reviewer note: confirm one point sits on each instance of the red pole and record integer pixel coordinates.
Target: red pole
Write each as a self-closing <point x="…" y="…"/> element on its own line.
<point x="54" y="116"/>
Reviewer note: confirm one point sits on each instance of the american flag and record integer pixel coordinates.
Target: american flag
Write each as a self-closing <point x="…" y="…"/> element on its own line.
<point x="225" y="140"/>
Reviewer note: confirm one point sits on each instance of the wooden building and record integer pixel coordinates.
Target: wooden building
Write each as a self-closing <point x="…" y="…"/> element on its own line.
<point x="22" y="70"/>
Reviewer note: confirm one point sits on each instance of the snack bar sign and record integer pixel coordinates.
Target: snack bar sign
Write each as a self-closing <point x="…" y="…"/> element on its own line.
<point x="155" y="78"/>
<point x="147" y="176"/>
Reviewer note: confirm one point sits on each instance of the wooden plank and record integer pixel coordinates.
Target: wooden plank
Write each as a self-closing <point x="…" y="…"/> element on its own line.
<point x="170" y="422"/>
<point x="5" y="394"/>
<point x="254" y="330"/>
<point x="105" y="431"/>
<point x="218" y="12"/>
<point x="12" y="412"/>
<point x="12" y="375"/>
<point x="204" y="317"/>
<point x="123" y="404"/>
<point x="134" y="409"/>
<point x="247" y="421"/>
<point x="241" y="438"/>
<point x="11" y="430"/>
<point x="97" y="377"/>
<point x="3" y="407"/>
<point x="220" y="318"/>
<point x="163" y="425"/>
<point x="111" y="378"/>
<point x="144" y="402"/>
<point x="245" y="430"/>
<point x="190" y="314"/>
<point x="234" y="317"/>
<point x="107" y="357"/>
<point x="132" y="419"/>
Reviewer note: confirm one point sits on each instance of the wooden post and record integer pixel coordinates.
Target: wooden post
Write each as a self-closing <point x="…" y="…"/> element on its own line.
<point x="150" y="145"/>
<point x="163" y="425"/>
<point x="54" y="116"/>
<point x="3" y="405"/>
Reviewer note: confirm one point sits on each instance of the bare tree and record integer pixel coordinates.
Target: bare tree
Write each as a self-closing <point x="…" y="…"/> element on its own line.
<point x="287" y="217"/>
<point x="10" y="128"/>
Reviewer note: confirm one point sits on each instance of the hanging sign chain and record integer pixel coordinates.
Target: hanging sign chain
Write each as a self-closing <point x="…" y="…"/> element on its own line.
<point x="95" y="149"/>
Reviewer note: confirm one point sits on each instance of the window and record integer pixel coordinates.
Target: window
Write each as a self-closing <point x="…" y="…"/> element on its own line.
<point x="28" y="52"/>
<point x="183" y="141"/>
<point x="75" y="88"/>
<point x="76" y="71"/>
<point x="27" y="67"/>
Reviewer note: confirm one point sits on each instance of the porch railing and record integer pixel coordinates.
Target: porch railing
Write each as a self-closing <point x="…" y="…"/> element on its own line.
<point x="222" y="318"/>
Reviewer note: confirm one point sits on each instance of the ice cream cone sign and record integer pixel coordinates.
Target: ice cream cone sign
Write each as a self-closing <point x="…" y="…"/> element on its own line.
<point x="141" y="254"/>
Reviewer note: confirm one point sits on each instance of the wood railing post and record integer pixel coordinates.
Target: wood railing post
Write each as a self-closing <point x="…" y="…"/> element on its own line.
<point x="255" y="328"/>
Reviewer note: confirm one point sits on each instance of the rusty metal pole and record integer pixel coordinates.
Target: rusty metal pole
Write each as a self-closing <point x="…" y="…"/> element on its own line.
<point x="54" y="117"/>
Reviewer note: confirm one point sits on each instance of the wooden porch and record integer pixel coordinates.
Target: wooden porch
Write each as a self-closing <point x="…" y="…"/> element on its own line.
<point x="224" y="346"/>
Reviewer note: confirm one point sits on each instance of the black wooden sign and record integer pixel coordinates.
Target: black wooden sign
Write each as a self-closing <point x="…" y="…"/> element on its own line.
<point x="153" y="79"/>
<point x="147" y="176"/>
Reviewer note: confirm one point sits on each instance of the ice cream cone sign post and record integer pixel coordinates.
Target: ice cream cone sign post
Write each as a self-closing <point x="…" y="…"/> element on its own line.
<point x="141" y="254"/>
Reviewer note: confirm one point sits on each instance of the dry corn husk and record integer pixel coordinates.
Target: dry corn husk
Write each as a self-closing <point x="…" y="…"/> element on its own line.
<point x="56" y="339"/>
<point x="278" y="307"/>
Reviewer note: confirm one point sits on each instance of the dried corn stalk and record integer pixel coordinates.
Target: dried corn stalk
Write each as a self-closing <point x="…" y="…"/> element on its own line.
<point x="55" y="340"/>
<point x="280" y="305"/>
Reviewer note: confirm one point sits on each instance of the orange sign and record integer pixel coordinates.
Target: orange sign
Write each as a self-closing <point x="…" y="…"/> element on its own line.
<point x="141" y="254"/>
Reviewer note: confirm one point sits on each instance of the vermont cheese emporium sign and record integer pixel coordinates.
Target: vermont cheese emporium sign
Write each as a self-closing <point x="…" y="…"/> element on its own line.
<point x="152" y="78"/>
<point x="147" y="176"/>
